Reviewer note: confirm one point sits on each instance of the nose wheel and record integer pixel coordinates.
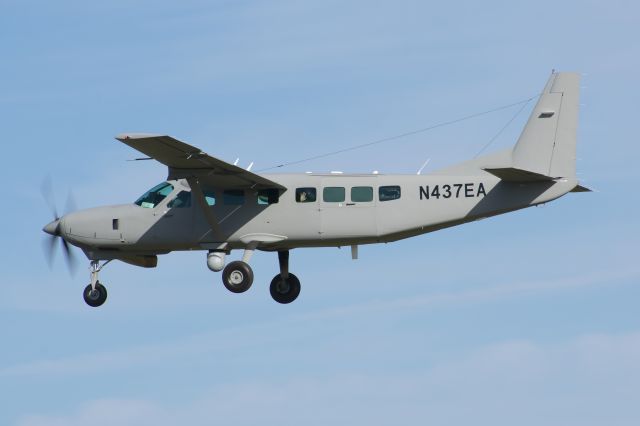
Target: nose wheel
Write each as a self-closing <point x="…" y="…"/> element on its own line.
<point x="95" y="294"/>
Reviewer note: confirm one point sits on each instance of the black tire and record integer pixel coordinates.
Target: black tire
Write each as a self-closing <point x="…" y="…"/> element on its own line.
<point x="285" y="291"/>
<point x="95" y="298"/>
<point x="237" y="277"/>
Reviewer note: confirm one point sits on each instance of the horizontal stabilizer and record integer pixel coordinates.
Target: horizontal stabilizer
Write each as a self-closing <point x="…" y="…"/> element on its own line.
<point x="512" y="174"/>
<point x="580" y="188"/>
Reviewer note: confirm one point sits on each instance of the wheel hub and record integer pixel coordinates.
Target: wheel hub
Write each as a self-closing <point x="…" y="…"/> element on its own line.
<point x="236" y="277"/>
<point x="283" y="287"/>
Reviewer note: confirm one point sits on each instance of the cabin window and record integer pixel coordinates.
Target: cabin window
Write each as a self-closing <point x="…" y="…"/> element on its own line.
<point x="210" y="197"/>
<point x="361" y="194"/>
<point x="183" y="199"/>
<point x="268" y="196"/>
<point x="233" y="197"/>
<point x="306" y="195"/>
<point x="333" y="194"/>
<point x="388" y="193"/>
<point x="155" y="195"/>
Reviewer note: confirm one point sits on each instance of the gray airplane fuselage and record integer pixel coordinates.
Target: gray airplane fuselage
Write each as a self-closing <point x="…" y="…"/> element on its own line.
<point x="425" y="203"/>
<point x="209" y="204"/>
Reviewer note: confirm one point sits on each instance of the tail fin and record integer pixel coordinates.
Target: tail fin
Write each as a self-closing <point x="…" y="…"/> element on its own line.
<point x="547" y="145"/>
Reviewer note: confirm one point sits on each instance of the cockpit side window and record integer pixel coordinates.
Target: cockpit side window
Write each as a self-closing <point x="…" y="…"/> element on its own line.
<point x="183" y="199"/>
<point x="155" y="195"/>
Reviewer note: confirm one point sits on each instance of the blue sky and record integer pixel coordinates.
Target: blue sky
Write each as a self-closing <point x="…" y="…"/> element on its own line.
<point x="526" y="318"/>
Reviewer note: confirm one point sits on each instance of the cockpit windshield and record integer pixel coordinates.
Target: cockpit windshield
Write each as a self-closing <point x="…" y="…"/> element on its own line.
<point x="155" y="195"/>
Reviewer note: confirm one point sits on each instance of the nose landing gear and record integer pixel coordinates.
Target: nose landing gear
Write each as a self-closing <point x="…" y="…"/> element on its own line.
<point x="95" y="294"/>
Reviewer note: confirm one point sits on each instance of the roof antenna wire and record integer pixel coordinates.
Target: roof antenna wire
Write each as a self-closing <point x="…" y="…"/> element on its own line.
<point x="504" y="127"/>
<point x="402" y="135"/>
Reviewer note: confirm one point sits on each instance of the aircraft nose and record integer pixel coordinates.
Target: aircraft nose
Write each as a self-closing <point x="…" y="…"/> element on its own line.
<point x="52" y="228"/>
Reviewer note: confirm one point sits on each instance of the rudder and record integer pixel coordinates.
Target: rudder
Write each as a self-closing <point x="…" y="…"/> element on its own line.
<point x="547" y="145"/>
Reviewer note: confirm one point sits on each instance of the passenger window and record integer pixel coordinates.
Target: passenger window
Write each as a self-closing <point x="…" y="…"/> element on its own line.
<point x="361" y="194"/>
<point x="388" y="193"/>
<point x="305" y="195"/>
<point x="182" y="200"/>
<point x="268" y="196"/>
<point x="233" y="197"/>
<point x="333" y="194"/>
<point x="210" y="197"/>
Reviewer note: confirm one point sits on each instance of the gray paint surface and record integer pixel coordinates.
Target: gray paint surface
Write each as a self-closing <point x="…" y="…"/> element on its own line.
<point x="540" y="168"/>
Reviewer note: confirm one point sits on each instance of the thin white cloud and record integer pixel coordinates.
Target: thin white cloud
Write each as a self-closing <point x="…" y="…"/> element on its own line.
<point x="260" y="333"/>
<point x="511" y="382"/>
<point x="485" y="294"/>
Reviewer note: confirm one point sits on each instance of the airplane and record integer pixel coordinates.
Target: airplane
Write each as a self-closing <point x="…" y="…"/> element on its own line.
<point x="208" y="204"/>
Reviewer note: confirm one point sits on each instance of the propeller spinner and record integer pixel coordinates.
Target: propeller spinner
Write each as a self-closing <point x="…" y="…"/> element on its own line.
<point x="54" y="228"/>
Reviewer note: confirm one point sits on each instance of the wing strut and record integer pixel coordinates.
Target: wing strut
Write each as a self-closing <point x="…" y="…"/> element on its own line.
<point x="208" y="214"/>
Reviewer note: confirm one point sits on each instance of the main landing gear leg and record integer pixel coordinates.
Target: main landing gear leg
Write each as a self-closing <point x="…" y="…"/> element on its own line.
<point x="237" y="276"/>
<point x="285" y="287"/>
<point x="95" y="294"/>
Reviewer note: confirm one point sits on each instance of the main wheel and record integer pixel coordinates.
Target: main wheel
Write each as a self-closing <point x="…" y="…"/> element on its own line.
<point x="285" y="291"/>
<point x="97" y="297"/>
<point x="237" y="277"/>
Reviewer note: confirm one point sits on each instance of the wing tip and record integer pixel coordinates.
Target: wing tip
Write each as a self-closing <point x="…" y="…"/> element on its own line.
<point x="126" y="136"/>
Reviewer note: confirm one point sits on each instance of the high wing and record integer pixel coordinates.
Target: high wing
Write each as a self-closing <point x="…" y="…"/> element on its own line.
<point x="186" y="161"/>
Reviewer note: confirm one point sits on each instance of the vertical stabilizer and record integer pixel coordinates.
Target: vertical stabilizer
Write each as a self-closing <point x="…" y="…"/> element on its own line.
<point x="547" y="145"/>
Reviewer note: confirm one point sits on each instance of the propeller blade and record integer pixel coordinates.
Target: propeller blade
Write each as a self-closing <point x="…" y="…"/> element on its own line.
<point x="53" y="228"/>
<point x="49" y="197"/>
<point x="49" y="246"/>
<point x="69" y="257"/>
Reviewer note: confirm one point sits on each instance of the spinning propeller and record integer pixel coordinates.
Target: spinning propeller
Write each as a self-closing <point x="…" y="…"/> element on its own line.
<point x="54" y="228"/>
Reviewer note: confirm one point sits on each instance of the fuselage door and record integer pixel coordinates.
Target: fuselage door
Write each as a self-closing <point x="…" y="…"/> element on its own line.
<point x="174" y="223"/>
<point x="347" y="207"/>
